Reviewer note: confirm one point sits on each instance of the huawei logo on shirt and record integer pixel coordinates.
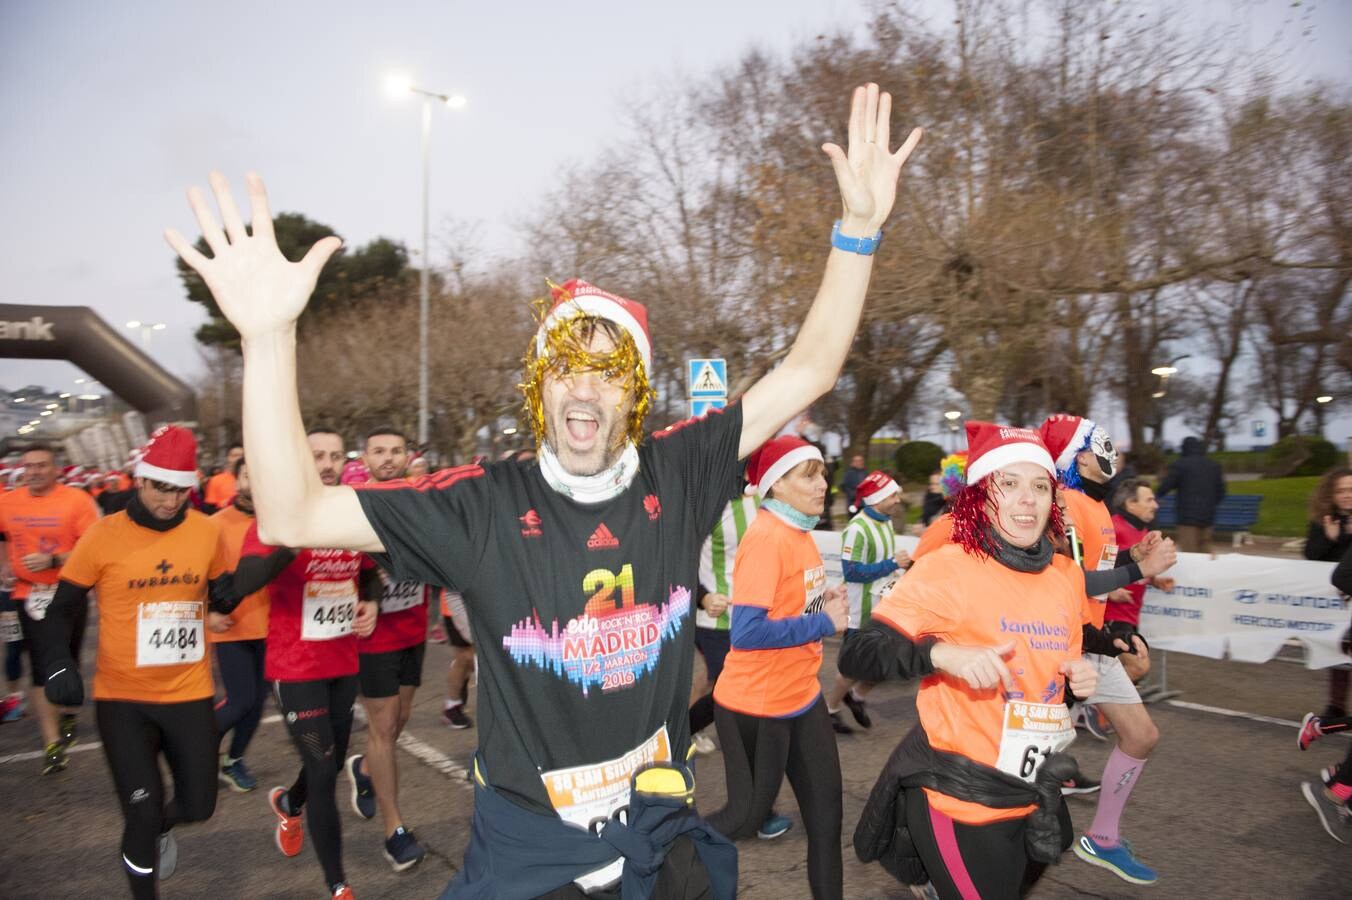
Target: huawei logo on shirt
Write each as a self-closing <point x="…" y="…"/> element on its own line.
<point x="653" y="506"/>
<point x="530" y="524"/>
<point x="602" y="539"/>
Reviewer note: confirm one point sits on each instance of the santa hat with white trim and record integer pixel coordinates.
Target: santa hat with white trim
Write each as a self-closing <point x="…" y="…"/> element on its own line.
<point x="1066" y="436"/>
<point x="773" y="460"/>
<point x="576" y="297"/>
<point x="991" y="447"/>
<point x="170" y="456"/>
<point x="874" y="489"/>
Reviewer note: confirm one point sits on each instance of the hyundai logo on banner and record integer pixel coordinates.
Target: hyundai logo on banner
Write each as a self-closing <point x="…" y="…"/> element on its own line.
<point x="1246" y="596"/>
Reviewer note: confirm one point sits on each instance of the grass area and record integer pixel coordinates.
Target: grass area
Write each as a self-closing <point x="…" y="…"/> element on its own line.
<point x="1283" y="512"/>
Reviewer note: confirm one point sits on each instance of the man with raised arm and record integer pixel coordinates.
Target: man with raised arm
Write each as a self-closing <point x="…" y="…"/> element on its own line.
<point x="579" y="568"/>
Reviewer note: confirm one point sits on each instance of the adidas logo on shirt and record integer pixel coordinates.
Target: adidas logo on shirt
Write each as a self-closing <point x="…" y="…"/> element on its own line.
<point x="602" y="539"/>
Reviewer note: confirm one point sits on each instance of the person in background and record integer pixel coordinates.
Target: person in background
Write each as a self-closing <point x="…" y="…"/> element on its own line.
<point x="1201" y="488"/>
<point x="854" y="475"/>
<point x="220" y="488"/>
<point x="417" y="467"/>
<point x="1136" y="508"/>
<point x="1328" y="540"/>
<point x="933" y="504"/>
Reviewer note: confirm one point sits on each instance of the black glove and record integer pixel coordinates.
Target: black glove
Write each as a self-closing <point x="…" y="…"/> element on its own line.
<point x="64" y="686"/>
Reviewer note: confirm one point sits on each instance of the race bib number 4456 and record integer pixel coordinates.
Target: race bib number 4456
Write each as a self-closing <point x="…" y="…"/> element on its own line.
<point x="170" y="633"/>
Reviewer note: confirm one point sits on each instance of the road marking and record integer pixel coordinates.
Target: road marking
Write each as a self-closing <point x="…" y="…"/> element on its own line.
<point x="1232" y="713"/>
<point x="433" y="757"/>
<point x="39" y="754"/>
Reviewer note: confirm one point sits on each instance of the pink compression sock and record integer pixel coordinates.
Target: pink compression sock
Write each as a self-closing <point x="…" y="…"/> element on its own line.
<point x="1119" y="777"/>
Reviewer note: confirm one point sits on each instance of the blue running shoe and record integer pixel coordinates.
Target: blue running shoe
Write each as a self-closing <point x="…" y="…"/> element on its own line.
<point x="402" y="849"/>
<point x="773" y="826"/>
<point x="236" y="776"/>
<point x="1119" y="860"/>
<point x="363" y="792"/>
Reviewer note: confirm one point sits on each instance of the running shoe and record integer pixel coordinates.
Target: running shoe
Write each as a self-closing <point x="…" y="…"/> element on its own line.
<point x="774" y="826"/>
<point x="1081" y="784"/>
<point x="343" y="892"/>
<point x="1309" y="731"/>
<point x="1328" y="774"/>
<point x="839" y="724"/>
<point x="1096" y="723"/>
<point x="924" y="891"/>
<point x="54" y="758"/>
<point x="11" y="708"/>
<point x="363" y="792"/>
<point x="1333" y="815"/>
<point x="290" y="833"/>
<point x="168" y="856"/>
<point x="703" y="744"/>
<point x="236" y="776"/>
<point x="66" y="725"/>
<point x="1120" y="860"/>
<point x="858" y="710"/>
<point x="438" y="635"/>
<point x="402" y="849"/>
<point x="454" y="717"/>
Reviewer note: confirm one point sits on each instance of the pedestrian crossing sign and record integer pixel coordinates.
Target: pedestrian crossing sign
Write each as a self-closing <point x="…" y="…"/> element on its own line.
<point x="707" y="377"/>
<point x="700" y="407"/>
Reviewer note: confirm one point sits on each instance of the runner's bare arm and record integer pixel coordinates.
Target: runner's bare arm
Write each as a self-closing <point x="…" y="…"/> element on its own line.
<point x="263" y="294"/>
<point x="867" y="175"/>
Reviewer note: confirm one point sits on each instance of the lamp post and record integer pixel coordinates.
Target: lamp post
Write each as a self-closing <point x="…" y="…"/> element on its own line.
<point x="147" y="329"/>
<point x="952" y="416"/>
<point x="398" y="86"/>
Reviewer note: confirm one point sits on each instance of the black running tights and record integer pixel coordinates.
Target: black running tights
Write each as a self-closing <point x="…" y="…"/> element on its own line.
<point x="319" y="716"/>
<point x="241" y="667"/>
<point x="757" y="754"/>
<point x="134" y="736"/>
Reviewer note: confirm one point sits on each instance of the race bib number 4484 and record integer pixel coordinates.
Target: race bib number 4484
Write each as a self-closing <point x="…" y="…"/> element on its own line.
<point x="170" y="633"/>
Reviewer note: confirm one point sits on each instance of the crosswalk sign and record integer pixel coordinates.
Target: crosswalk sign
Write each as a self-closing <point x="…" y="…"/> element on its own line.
<point x="700" y="407"/>
<point x="707" y="377"/>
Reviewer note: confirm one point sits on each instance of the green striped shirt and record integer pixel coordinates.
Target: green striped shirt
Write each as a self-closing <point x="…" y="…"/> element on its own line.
<point x="719" y="554"/>
<point x="866" y="540"/>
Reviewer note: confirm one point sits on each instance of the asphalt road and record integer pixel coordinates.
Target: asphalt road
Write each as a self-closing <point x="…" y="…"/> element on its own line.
<point x="1218" y="811"/>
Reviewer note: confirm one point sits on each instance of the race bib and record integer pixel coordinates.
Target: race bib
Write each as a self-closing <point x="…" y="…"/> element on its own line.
<point x="11" y="632"/>
<point x="1107" y="561"/>
<point x="588" y="794"/>
<point x="170" y="633"/>
<point x="1031" y="733"/>
<point x="329" y="609"/>
<point x="400" y="595"/>
<point x="814" y="589"/>
<point x="39" y="598"/>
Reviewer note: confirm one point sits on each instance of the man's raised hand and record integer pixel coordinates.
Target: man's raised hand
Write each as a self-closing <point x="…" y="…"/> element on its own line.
<point x="257" y="288"/>
<point x="867" y="173"/>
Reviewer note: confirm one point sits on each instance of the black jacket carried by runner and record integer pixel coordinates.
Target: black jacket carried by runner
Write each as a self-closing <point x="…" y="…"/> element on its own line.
<point x="1200" y="485"/>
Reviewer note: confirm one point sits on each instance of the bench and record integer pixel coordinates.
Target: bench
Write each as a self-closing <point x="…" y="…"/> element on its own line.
<point x="1237" y="513"/>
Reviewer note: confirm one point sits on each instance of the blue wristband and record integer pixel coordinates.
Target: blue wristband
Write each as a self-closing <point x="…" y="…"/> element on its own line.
<point x="864" y="246"/>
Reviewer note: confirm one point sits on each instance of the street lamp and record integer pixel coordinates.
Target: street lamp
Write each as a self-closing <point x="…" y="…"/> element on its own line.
<point x="400" y="85"/>
<point x="1323" y="398"/>
<point x="1164" y="371"/>
<point x="146" y="329"/>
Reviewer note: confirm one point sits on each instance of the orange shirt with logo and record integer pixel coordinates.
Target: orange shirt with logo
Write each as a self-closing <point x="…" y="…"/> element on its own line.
<point x="251" y="616"/>
<point x="220" y="490"/>
<point x="51" y="523"/>
<point x="779" y="569"/>
<point x="149" y="583"/>
<point x="936" y="534"/>
<point x="1098" y="539"/>
<point x="973" y="601"/>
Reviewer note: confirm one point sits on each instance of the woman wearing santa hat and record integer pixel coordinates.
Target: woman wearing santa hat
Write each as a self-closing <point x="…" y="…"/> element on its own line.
<point x="769" y="708"/>
<point x="993" y="621"/>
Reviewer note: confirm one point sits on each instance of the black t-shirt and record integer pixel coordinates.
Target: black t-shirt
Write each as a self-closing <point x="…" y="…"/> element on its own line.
<point x="581" y="614"/>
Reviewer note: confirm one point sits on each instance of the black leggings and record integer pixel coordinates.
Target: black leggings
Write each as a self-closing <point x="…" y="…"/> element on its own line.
<point x="991" y="858"/>
<point x="757" y="754"/>
<point x="320" y="728"/>
<point x="241" y="667"/>
<point x="134" y="735"/>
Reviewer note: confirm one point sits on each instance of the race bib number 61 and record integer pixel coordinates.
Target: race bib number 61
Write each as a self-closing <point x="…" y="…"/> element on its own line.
<point x="1032" y="732"/>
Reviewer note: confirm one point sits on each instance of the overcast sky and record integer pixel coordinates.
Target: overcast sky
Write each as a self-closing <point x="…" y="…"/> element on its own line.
<point x="110" y="110"/>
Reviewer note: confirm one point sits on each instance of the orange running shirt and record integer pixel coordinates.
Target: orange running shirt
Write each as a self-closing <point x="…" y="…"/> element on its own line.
<point x="937" y="534"/>
<point x="251" y="616"/>
<point x="51" y="523"/>
<point x="779" y="569"/>
<point x="1094" y="526"/>
<point x="220" y="490"/>
<point x="978" y="602"/>
<point x="151" y="588"/>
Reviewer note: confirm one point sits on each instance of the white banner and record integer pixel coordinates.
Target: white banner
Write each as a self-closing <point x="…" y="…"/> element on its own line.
<point x="1247" y="606"/>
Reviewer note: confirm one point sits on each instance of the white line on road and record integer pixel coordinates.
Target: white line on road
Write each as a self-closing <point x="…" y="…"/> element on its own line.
<point x="39" y="754"/>
<point x="1234" y="713"/>
<point x="435" y="758"/>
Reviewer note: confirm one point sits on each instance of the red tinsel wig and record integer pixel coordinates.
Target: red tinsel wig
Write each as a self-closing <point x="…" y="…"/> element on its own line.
<point x="972" y="525"/>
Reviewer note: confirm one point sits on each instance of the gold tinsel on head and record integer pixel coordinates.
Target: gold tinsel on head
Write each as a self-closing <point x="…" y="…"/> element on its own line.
<point x="565" y="352"/>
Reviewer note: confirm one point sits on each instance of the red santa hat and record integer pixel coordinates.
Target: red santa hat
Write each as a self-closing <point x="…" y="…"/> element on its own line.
<point x="170" y="456"/>
<point x="577" y="297"/>
<point x="991" y="447"/>
<point x="874" y="489"/>
<point x="1065" y="436"/>
<point x="773" y="460"/>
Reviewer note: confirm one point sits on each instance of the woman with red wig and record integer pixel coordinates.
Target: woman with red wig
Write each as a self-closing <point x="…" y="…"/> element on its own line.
<point x="970" y="800"/>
